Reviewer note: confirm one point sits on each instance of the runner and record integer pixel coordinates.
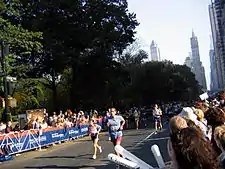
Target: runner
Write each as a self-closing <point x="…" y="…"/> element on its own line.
<point x="93" y="132"/>
<point x="157" y="113"/>
<point x="115" y="124"/>
<point x="105" y="121"/>
<point x="136" y="118"/>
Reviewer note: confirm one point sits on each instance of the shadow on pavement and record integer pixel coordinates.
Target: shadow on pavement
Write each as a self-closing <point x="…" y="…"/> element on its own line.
<point x="107" y="165"/>
<point x="67" y="157"/>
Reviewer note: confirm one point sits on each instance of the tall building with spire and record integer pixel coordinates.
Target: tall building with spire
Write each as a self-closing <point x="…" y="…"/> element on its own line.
<point x="155" y="53"/>
<point x="197" y="67"/>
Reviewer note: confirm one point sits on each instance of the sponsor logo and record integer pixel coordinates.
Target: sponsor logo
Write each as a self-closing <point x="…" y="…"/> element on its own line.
<point x="73" y="132"/>
<point x="43" y="138"/>
<point x="56" y="135"/>
<point x="33" y="141"/>
<point x="84" y="129"/>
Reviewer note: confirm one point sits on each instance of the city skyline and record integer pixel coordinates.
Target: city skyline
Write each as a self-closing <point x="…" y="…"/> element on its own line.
<point x="171" y="25"/>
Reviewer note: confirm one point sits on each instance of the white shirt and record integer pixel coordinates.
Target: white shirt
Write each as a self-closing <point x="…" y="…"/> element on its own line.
<point x="2" y="127"/>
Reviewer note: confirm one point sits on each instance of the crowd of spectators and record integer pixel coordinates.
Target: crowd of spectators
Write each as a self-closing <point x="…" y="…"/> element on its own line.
<point x="66" y="119"/>
<point x="197" y="136"/>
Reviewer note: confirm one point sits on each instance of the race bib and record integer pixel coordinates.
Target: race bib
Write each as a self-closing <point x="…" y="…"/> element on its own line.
<point x="114" y="128"/>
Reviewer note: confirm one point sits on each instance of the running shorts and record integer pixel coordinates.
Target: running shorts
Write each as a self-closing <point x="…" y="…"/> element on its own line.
<point x="116" y="140"/>
<point x="94" y="137"/>
<point x="157" y="119"/>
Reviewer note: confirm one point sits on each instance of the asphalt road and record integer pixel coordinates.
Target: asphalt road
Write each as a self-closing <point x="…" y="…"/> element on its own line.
<point x="77" y="154"/>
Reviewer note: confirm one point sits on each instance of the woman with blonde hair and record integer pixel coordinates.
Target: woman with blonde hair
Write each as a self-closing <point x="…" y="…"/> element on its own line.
<point x="219" y="137"/>
<point x="202" y="123"/>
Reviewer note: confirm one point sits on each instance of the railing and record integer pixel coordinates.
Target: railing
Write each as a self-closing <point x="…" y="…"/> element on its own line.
<point x="22" y="141"/>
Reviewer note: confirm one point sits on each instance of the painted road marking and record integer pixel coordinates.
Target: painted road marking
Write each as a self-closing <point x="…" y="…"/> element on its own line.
<point x="162" y="138"/>
<point x="147" y="138"/>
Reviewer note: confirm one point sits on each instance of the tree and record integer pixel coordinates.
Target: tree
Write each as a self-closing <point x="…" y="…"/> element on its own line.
<point x="72" y="30"/>
<point x="163" y="81"/>
<point x="20" y="41"/>
<point x="27" y="93"/>
<point x="129" y="60"/>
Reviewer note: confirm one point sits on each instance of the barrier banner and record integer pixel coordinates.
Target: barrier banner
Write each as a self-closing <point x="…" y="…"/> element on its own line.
<point x="73" y="132"/>
<point x="27" y="140"/>
<point x="12" y="142"/>
<point x="83" y="130"/>
<point x="51" y="137"/>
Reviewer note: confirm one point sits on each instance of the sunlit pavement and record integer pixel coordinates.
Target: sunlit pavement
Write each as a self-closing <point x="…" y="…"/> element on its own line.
<point x="77" y="154"/>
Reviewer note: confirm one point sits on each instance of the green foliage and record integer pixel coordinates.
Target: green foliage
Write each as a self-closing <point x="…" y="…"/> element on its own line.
<point x="27" y="92"/>
<point x="15" y="34"/>
<point x="164" y="81"/>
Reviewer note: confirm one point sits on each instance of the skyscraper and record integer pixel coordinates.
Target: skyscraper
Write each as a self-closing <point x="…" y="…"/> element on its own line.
<point x="217" y="18"/>
<point x="197" y="67"/>
<point x="155" y="53"/>
<point x="213" y="73"/>
<point x="188" y="61"/>
<point x="214" y="82"/>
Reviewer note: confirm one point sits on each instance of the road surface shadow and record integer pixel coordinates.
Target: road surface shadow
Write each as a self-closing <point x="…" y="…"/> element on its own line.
<point x="138" y="134"/>
<point x="51" y="166"/>
<point x="108" y="166"/>
<point x="67" y="157"/>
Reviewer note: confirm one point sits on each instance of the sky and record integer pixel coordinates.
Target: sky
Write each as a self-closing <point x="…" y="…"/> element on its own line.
<point x="170" y="23"/>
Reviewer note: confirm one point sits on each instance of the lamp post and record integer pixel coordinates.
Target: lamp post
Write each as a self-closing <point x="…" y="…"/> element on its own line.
<point x="6" y="115"/>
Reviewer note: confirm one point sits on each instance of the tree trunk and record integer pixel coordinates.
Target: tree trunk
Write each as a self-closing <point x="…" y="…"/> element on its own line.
<point x="54" y="90"/>
<point x="74" y="98"/>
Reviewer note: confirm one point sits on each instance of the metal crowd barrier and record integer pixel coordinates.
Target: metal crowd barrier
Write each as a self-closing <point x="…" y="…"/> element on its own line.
<point x="32" y="139"/>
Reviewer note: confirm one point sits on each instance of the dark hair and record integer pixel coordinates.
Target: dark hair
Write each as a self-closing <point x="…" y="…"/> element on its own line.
<point x="193" y="151"/>
<point x="215" y="117"/>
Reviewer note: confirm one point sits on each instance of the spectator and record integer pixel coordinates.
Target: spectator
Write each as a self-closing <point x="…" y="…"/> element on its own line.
<point x="44" y="124"/>
<point x="9" y="127"/>
<point x="2" y="127"/>
<point x="176" y="124"/>
<point x="17" y="127"/>
<point x="189" y="149"/>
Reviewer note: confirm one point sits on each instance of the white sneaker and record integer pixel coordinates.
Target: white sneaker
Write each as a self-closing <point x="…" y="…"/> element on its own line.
<point x="94" y="157"/>
<point x="109" y="138"/>
<point x="100" y="149"/>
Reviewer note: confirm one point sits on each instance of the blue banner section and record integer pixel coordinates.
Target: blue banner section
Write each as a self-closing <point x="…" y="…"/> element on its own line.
<point x="28" y="140"/>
